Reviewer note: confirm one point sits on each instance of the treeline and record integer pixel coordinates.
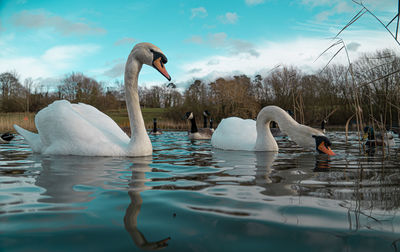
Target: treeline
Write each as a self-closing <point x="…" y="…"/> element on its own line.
<point x="373" y="79"/>
<point x="75" y="87"/>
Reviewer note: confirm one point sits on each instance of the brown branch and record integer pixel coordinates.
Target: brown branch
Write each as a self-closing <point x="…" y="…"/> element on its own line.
<point x="333" y="111"/>
<point x="380" y="78"/>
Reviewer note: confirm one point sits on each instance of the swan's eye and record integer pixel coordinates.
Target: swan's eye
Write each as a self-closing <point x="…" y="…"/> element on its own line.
<point x="164" y="59"/>
<point x="157" y="55"/>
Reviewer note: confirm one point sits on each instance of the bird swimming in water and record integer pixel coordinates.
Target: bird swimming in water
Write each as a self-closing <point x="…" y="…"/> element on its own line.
<point x="377" y="139"/>
<point x="155" y="130"/>
<point x="196" y="133"/>
<point x="6" y="137"/>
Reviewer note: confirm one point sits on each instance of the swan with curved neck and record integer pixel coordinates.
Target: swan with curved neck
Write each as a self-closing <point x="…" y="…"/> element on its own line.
<point x="80" y="129"/>
<point x="238" y="134"/>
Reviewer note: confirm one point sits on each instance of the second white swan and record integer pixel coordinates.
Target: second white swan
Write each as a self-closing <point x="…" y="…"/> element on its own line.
<point x="237" y="134"/>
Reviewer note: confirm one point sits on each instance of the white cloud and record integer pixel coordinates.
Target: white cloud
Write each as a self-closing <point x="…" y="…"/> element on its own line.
<point x="301" y="53"/>
<point x="200" y="12"/>
<point x="117" y="70"/>
<point x="6" y="45"/>
<point x="25" y="66"/>
<point x="241" y="46"/>
<point x="353" y="46"/>
<point x="385" y="5"/>
<point x="58" y="59"/>
<point x="229" y="18"/>
<point x="63" y="56"/>
<point x="217" y="39"/>
<point x="125" y="41"/>
<point x="337" y="8"/>
<point x="323" y="28"/>
<point x="195" y="40"/>
<point x="221" y="41"/>
<point x="36" y="19"/>
<point x="254" y="2"/>
<point x="334" y="7"/>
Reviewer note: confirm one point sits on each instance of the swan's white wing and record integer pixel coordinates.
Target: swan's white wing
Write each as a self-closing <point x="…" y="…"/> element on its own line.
<point x="101" y="121"/>
<point x="234" y="133"/>
<point x="78" y="129"/>
<point x="31" y="138"/>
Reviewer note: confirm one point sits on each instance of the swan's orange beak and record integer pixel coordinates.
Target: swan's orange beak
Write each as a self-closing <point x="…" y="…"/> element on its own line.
<point x="159" y="65"/>
<point x="325" y="149"/>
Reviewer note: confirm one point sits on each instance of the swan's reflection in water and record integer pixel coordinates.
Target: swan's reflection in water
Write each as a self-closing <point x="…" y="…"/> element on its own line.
<point x="137" y="185"/>
<point x="296" y="179"/>
<point x="265" y="169"/>
<point x="69" y="180"/>
<point x="312" y="175"/>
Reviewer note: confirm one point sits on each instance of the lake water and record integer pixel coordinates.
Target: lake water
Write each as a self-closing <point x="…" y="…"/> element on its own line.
<point x="191" y="197"/>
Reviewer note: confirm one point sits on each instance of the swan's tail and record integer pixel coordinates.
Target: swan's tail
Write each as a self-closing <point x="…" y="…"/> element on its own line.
<point x="31" y="138"/>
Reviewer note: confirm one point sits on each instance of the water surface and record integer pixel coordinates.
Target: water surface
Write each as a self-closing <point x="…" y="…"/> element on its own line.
<point x="191" y="197"/>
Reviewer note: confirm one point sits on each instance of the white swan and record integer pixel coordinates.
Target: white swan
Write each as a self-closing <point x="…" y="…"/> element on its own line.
<point x="237" y="134"/>
<point x="80" y="129"/>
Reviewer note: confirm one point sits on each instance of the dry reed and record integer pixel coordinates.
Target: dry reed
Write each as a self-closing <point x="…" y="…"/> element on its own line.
<point x="168" y="125"/>
<point x="25" y="120"/>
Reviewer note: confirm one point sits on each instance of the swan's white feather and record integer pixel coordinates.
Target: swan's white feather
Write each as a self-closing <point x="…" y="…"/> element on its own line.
<point x="76" y="129"/>
<point x="235" y="133"/>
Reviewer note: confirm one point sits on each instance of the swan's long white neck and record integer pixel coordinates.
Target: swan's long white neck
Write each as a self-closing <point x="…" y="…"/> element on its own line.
<point x="140" y="142"/>
<point x="265" y="141"/>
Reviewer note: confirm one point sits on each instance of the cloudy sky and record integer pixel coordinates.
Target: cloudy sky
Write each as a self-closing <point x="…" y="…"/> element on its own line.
<point x="205" y="39"/>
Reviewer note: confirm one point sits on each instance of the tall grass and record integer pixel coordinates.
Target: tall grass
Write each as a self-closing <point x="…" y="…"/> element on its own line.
<point x="357" y="93"/>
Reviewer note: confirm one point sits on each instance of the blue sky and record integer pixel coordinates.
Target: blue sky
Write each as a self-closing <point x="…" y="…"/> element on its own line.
<point x="202" y="39"/>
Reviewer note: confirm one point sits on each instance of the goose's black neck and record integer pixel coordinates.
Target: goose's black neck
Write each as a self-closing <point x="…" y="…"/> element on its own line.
<point x="193" y="128"/>
<point x="204" y="121"/>
<point x="211" y="123"/>
<point x="323" y="124"/>
<point x="154" y="126"/>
